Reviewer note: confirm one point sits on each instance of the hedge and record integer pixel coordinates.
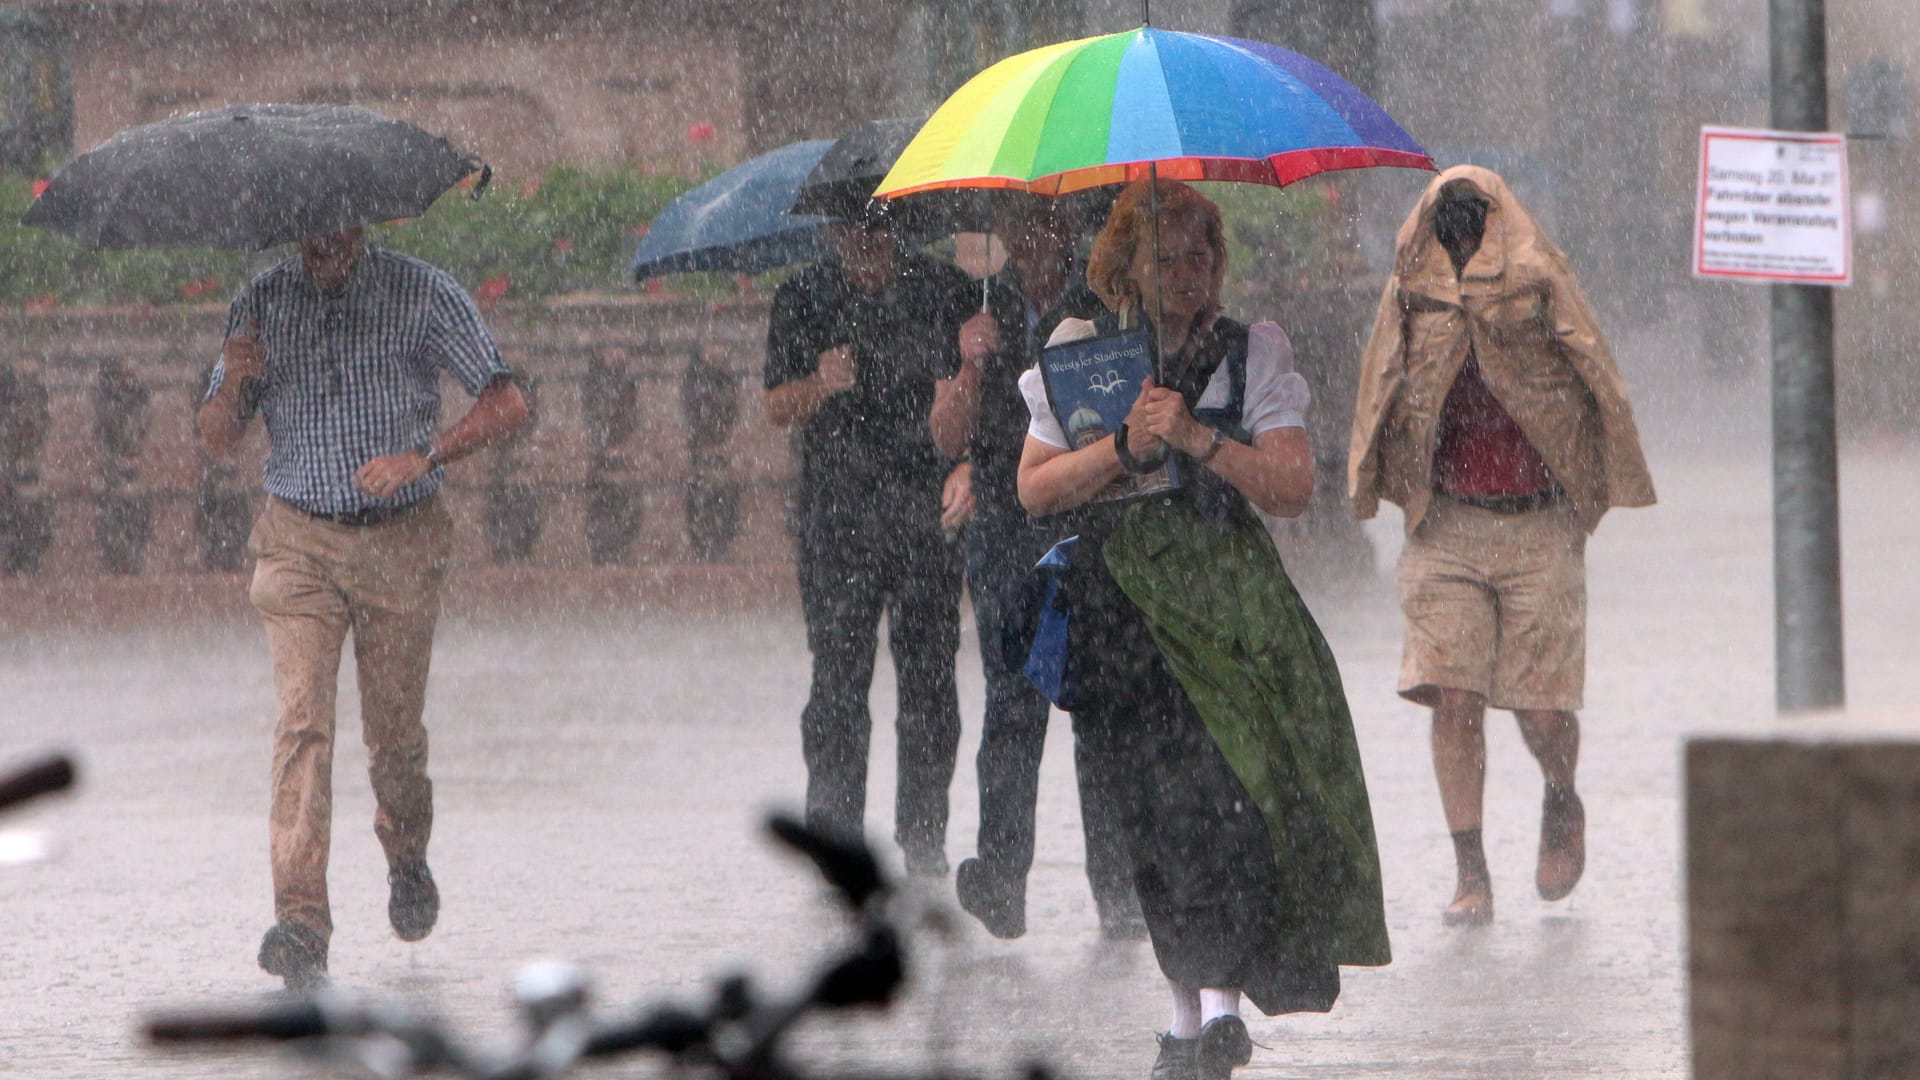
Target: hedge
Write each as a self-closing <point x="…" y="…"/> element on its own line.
<point x="571" y="229"/>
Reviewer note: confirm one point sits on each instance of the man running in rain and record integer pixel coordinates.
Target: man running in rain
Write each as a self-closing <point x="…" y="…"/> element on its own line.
<point x="980" y="414"/>
<point x="1491" y="412"/>
<point x="854" y="347"/>
<point x="340" y="352"/>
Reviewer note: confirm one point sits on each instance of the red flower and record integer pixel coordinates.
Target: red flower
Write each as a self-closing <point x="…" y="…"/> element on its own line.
<point x="531" y="188"/>
<point x="640" y="230"/>
<point x="488" y="292"/>
<point x="743" y="284"/>
<point x="655" y="286"/>
<point x="562" y="245"/>
<point x="701" y="132"/>
<point x="42" y="302"/>
<point x="39" y="188"/>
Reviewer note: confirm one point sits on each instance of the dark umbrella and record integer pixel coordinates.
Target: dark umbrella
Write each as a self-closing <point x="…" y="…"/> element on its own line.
<point x="841" y="184"/>
<point x="772" y="210"/>
<point x="248" y="177"/>
<point x="738" y="221"/>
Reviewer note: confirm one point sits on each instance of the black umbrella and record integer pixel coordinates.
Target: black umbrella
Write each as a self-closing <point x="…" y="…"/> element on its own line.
<point x="249" y="177"/>
<point x="841" y="184"/>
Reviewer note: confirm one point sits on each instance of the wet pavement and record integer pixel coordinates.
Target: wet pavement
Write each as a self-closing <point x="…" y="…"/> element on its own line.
<point x="599" y="785"/>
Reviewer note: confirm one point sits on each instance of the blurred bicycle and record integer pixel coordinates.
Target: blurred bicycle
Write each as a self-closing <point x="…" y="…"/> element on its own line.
<point x="739" y="1034"/>
<point x="24" y="783"/>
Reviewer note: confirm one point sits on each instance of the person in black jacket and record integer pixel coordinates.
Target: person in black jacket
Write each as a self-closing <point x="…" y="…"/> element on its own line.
<point x="854" y="348"/>
<point x="980" y="415"/>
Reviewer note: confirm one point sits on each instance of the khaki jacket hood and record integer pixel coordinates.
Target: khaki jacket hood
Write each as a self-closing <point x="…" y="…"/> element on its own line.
<point x="1518" y="310"/>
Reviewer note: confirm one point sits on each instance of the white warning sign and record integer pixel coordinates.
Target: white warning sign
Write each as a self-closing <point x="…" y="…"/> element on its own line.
<point x="1773" y="207"/>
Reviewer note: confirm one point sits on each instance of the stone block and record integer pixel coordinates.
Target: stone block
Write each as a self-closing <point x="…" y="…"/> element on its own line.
<point x="1803" y="904"/>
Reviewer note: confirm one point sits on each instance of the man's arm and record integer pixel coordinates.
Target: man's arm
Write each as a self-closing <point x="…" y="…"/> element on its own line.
<point x="499" y="411"/>
<point x="956" y="401"/>
<point x="223" y="417"/>
<point x="796" y="400"/>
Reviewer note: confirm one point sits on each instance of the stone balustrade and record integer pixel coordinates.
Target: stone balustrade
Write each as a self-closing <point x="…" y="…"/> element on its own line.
<point x="646" y="473"/>
<point x="646" y="448"/>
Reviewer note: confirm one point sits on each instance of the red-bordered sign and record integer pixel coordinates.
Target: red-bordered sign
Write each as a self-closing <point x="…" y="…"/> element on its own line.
<point x="1773" y="206"/>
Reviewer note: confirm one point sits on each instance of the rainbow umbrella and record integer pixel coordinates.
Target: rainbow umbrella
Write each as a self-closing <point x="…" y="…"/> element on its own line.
<point x="1120" y="107"/>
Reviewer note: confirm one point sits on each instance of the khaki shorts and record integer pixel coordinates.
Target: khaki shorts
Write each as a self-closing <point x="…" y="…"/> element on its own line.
<point x="1495" y="604"/>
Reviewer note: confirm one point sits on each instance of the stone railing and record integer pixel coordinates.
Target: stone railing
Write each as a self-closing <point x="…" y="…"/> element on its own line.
<point x="647" y="455"/>
<point x="647" y="473"/>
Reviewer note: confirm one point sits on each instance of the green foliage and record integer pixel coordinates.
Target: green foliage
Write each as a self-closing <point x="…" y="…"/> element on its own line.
<point x="1288" y="239"/>
<point x="573" y="229"/>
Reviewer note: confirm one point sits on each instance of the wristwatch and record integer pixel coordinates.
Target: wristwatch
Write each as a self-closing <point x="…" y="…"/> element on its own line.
<point x="1213" y="446"/>
<point x="251" y="391"/>
<point x="425" y="450"/>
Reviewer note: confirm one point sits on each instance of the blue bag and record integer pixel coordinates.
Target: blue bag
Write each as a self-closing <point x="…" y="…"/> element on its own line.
<point x="1048" y="663"/>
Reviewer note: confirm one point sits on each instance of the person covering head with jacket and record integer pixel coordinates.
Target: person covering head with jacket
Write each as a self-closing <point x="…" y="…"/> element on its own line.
<point x="1490" y="411"/>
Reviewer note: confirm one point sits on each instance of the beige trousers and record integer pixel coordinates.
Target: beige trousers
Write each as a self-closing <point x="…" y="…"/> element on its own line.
<point x="1495" y="604"/>
<point x="314" y="582"/>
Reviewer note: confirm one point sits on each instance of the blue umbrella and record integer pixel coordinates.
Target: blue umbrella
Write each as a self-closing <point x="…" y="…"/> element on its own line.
<point x="738" y="221"/>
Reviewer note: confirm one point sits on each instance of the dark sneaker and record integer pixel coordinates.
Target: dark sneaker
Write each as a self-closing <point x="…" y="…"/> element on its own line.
<point x="1224" y="1046"/>
<point x="413" y="901"/>
<point x="1177" y="1060"/>
<point x="999" y="901"/>
<point x="296" y="954"/>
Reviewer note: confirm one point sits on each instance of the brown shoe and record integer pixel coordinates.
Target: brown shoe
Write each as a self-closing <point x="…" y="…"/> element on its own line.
<point x="1472" y="905"/>
<point x="1563" y="843"/>
<point x="1473" y="896"/>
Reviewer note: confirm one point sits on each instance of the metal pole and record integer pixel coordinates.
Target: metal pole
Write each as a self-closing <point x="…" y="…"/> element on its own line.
<point x="1809" y="659"/>
<point x="1159" y="304"/>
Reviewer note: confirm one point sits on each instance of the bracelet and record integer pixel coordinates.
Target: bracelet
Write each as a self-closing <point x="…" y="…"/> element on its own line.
<point x="1213" y="447"/>
<point x="1127" y="460"/>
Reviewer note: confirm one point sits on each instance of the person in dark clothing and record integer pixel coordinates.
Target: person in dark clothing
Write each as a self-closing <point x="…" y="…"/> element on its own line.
<point x="979" y="414"/>
<point x="853" y="350"/>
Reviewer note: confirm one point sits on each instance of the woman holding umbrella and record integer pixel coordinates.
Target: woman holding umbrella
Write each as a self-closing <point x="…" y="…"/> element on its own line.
<point x="1245" y="806"/>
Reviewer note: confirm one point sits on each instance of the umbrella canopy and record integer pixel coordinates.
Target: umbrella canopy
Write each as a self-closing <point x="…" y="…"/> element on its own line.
<point x="739" y="221"/>
<point x="842" y="181"/>
<point x="772" y="210"/>
<point x="248" y="177"/>
<point x="1113" y="109"/>
<point x="842" y="184"/>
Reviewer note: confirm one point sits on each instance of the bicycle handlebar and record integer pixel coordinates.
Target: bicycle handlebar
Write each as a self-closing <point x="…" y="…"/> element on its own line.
<point x="738" y="1034"/>
<point x="293" y="1020"/>
<point x="55" y="773"/>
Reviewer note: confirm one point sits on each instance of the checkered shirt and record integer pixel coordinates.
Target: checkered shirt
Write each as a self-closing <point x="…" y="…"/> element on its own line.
<point x="355" y="376"/>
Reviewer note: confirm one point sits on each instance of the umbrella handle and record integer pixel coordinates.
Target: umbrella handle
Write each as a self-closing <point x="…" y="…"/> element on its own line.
<point x="480" y="185"/>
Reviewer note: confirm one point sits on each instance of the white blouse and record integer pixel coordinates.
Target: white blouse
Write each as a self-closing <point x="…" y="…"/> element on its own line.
<point x="1277" y="396"/>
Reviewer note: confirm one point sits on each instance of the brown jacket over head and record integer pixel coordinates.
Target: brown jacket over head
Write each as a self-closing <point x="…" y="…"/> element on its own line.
<point x="1517" y="307"/>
